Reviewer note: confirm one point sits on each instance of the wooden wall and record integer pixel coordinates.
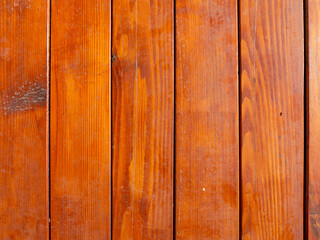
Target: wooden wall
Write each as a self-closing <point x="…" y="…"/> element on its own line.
<point x="159" y="119"/>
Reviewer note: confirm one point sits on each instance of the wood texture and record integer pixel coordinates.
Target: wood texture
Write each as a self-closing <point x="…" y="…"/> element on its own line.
<point x="80" y="119"/>
<point x="143" y="95"/>
<point x="23" y="120"/>
<point x="272" y="118"/>
<point x="207" y="133"/>
<point x="313" y="101"/>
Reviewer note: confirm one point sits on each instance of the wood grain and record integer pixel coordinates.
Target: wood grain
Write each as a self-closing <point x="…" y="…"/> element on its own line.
<point x="207" y="133"/>
<point x="313" y="101"/>
<point x="81" y="119"/>
<point x="272" y="118"/>
<point x="142" y="101"/>
<point x="23" y="120"/>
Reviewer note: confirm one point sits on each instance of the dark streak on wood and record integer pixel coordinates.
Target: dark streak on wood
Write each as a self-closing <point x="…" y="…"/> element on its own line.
<point x="25" y="98"/>
<point x="314" y="225"/>
<point x="314" y="211"/>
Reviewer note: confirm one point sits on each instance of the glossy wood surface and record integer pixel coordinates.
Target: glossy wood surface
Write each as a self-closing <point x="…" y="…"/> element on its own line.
<point x="142" y="101"/>
<point x="272" y="118"/>
<point x="80" y="119"/>
<point x="23" y="120"/>
<point x="313" y="111"/>
<point x="166" y="119"/>
<point x="207" y="134"/>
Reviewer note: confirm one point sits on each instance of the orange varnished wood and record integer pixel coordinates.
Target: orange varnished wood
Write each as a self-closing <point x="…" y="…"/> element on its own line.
<point x="313" y="69"/>
<point x="80" y="119"/>
<point x="23" y="120"/>
<point x="207" y="133"/>
<point x="142" y="101"/>
<point x="272" y="118"/>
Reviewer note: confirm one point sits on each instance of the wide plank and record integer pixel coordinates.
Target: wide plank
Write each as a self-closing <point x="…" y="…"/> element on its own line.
<point x="313" y="117"/>
<point x="80" y="127"/>
<point x="23" y="120"/>
<point x="272" y="118"/>
<point x="207" y="120"/>
<point x="143" y="113"/>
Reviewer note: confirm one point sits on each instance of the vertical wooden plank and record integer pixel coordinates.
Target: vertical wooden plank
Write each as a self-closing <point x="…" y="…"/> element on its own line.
<point x="23" y="119"/>
<point x="81" y="119"/>
<point x="272" y="118"/>
<point x="313" y="101"/>
<point x="207" y="133"/>
<point x="143" y="94"/>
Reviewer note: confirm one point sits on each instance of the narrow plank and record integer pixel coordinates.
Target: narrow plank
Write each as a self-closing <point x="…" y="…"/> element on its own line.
<point x="207" y="131"/>
<point x="272" y="118"/>
<point x="143" y="95"/>
<point x="23" y="120"/>
<point x="313" y="101"/>
<point x="81" y="119"/>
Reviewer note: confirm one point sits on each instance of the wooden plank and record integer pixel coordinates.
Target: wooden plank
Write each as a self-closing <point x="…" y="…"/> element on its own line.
<point x="207" y="133"/>
<point x="313" y="113"/>
<point x="272" y="118"/>
<point x="81" y="119"/>
<point x="23" y="120"/>
<point x="143" y="95"/>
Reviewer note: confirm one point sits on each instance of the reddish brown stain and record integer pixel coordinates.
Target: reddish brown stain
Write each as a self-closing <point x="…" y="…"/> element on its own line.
<point x="229" y="193"/>
<point x="216" y="21"/>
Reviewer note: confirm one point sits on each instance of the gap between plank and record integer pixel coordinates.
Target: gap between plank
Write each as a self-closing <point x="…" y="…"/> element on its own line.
<point x="174" y="121"/>
<point x="111" y="119"/>
<point x="49" y="4"/>
<point x="239" y="118"/>
<point x="306" y="121"/>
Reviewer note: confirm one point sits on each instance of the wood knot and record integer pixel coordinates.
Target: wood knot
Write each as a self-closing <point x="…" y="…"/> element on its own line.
<point x="113" y="58"/>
